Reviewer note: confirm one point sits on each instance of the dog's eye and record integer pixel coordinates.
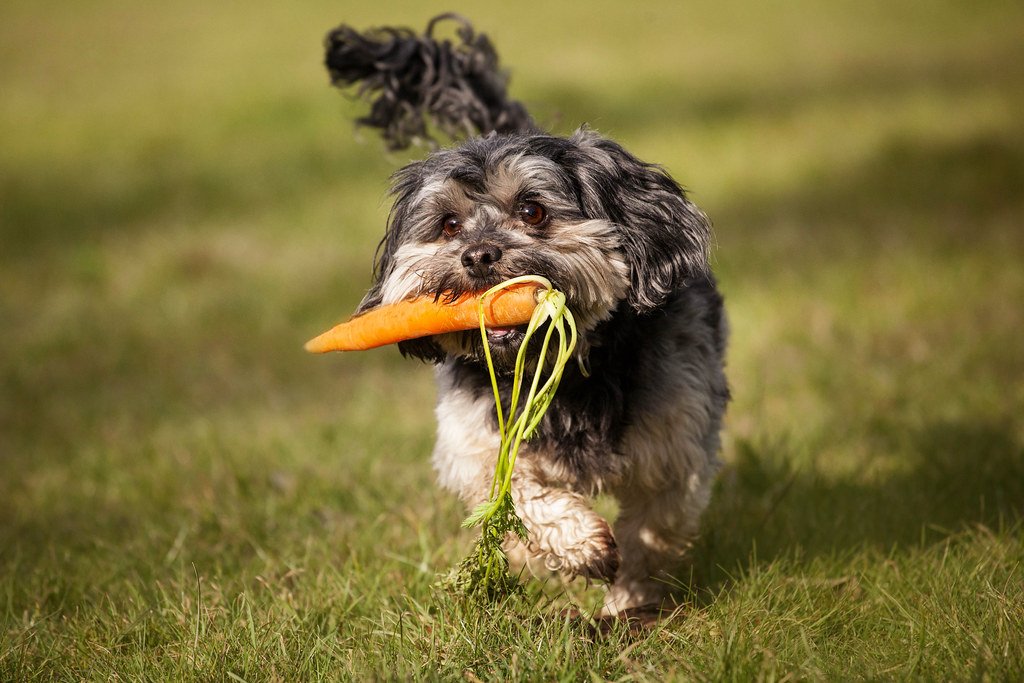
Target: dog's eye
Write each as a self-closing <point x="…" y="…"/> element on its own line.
<point x="532" y="213"/>
<point x="451" y="226"/>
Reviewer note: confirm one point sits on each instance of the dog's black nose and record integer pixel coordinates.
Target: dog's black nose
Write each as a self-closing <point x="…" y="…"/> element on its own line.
<point x="479" y="257"/>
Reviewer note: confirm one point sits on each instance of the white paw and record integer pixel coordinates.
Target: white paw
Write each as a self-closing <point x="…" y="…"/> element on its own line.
<point x="575" y="549"/>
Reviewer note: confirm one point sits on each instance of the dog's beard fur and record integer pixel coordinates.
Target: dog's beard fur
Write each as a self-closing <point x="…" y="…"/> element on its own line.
<point x="580" y="257"/>
<point x="615" y="230"/>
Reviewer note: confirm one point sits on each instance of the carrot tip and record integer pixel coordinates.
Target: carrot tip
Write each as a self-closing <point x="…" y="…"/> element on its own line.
<point x="324" y="343"/>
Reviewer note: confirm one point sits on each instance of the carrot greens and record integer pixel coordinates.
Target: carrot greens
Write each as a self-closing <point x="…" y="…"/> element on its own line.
<point x="485" y="571"/>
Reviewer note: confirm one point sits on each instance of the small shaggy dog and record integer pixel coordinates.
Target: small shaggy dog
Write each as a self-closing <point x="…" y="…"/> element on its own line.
<point x="639" y="416"/>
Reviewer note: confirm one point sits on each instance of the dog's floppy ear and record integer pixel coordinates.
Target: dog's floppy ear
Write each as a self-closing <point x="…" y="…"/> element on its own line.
<point x="406" y="185"/>
<point x="664" y="237"/>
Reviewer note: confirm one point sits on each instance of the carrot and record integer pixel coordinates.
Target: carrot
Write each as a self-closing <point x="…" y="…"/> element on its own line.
<point x="425" y="316"/>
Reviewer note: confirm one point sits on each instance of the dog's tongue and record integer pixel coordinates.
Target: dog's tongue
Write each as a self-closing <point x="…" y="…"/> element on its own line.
<point x="499" y="332"/>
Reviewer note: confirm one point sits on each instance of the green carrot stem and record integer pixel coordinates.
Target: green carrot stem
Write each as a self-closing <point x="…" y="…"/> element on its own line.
<point x="497" y="515"/>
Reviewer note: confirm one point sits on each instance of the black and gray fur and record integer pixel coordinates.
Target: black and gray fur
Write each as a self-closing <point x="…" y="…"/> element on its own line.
<point x="410" y="80"/>
<point x="620" y="237"/>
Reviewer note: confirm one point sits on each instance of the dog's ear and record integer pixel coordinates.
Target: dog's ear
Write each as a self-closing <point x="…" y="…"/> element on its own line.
<point x="664" y="237"/>
<point x="406" y="185"/>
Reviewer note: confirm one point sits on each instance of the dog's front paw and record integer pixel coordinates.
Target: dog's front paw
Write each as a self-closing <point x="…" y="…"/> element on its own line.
<point x="586" y="549"/>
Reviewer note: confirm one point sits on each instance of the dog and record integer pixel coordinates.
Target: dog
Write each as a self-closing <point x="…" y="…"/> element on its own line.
<point x="639" y="415"/>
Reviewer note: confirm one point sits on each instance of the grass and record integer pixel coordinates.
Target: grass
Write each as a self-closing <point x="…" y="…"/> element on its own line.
<point x="185" y="495"/>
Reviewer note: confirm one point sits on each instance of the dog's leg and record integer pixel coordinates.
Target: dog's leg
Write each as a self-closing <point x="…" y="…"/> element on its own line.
<point x="565" y="534"/>
<point x="661" y="504"/>
<point x="654" y="535"/>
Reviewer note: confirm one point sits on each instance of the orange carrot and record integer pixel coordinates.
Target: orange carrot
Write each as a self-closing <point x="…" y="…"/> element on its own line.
<point x="423" y="316"/>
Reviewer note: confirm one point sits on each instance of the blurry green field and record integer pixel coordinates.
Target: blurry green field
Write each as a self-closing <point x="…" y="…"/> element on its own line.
<point x="184" y="494"/>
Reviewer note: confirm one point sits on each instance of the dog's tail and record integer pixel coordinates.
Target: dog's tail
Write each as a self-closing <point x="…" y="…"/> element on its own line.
<point x="414" y="83"/>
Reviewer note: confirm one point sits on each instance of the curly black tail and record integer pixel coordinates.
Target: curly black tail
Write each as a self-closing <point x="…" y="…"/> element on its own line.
<point x="412" y="81"/>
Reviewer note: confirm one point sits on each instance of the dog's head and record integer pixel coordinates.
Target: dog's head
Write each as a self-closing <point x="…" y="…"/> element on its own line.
<point x="606" y="228"/>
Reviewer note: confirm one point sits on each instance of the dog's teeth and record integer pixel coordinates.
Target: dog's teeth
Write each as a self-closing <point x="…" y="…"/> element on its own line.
<point x="499" y="332"/>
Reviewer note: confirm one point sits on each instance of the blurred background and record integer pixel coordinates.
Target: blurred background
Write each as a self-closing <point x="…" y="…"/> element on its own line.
<point x="184" y="201"/>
